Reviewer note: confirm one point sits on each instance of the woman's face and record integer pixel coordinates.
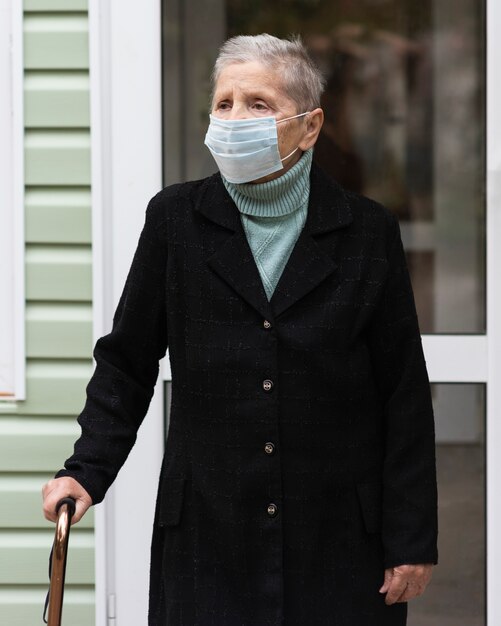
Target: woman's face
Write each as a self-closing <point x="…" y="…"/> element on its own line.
<point x="246" y="90"/>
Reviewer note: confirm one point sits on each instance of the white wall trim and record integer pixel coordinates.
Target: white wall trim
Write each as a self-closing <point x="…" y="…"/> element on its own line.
<point x="18" y="182"/>
<point x="101" y="270"/>
<point x="12" y="195"/>
<point x="456" y="358"/>
<point x="493" y="312"/>
<point x="126" y="148"/>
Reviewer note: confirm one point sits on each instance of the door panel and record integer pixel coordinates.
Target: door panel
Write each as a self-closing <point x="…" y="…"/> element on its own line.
<point x="405" y="124"/>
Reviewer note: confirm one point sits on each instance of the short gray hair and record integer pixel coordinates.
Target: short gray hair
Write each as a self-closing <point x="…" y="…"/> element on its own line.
<point x="302" y="80"/>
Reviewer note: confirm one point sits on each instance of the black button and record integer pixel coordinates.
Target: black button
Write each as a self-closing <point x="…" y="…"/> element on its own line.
<point x="272" y="509"/>
<point x="269" y="447"/>
<point x="267" y="384"/>
<point x="267" y="324"/>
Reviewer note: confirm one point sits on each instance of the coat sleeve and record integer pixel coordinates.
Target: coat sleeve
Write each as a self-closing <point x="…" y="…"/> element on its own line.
<point x="409" y="474"/>
<point x="127" y="363"/>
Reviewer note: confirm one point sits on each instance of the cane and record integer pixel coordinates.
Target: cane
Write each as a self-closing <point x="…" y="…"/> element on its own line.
<point x="65" y="510"/>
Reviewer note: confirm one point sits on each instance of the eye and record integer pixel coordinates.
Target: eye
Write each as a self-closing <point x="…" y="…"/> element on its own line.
<point x="223" y="106"/>
<point x="260" y="106"/>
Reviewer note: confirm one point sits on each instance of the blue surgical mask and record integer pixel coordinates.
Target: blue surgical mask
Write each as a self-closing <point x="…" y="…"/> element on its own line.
<point x="246" y="150"/>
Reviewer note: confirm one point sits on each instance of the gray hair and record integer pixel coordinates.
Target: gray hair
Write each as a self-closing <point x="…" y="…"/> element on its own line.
<point x="302" y="80"/>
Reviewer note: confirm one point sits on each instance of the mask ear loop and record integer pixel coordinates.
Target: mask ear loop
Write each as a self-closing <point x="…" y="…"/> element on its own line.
<point x="285" y="120"/>
<point x="289" y="155"/>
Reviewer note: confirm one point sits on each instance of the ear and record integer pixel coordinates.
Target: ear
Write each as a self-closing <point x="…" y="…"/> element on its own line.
<point x="314" y="121"/>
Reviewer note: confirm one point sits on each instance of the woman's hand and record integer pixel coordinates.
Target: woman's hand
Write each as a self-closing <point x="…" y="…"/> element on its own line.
<point x="64" y="487"/>
<point x="404" y="582"/>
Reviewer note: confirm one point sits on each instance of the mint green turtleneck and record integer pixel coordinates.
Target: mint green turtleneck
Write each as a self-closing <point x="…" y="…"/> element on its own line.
<point x="273" y="214"/>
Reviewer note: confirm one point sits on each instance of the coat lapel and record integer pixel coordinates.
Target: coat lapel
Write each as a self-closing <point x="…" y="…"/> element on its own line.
<point x="233" y="260"/>
<point x="308" y="264"/>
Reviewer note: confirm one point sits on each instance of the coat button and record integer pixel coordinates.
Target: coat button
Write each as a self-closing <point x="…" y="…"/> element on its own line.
<point x="269" y="447"/>
<point x="267" y="384"/>
<point x="272" y="509"/>
<point x="266" y="324"/>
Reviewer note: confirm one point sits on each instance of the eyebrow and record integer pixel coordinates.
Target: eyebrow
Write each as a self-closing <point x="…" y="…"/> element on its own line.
<point x="262" y="93"/>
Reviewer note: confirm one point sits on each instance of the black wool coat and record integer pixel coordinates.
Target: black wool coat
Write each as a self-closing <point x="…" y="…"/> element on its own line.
<point x="299" y="461"/>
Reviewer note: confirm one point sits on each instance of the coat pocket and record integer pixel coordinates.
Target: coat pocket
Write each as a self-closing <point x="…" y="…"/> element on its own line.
<point x="370" y="496"/>
<point x="171" y="501"/>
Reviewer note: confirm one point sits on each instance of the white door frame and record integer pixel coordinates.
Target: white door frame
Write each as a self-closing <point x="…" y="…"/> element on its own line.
<point x="12" y="235"/>
<point x="125" y="82"/>
<point x="493" y="312"/>
<point x="125" y="61"/>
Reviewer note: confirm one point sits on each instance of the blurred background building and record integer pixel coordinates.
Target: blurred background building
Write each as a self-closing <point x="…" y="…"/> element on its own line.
<point x="103" y="103"/>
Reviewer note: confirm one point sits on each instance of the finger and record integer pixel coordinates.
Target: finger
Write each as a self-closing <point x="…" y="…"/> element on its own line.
<point x="416" y="579"/>
<point x="50" y="500"/>
<point x="81" y="507"/>
<point x="50" y="505"/>
<point x="411" y="591"/>
<point x="388" y="575"/>
<point x="397" y="587"/>
<point x="419" y="580"/>
<point x="57" y="489"/>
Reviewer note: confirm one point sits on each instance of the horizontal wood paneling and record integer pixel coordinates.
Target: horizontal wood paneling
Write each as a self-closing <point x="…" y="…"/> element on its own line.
<point x="58" y="330"/>
<point x="58" y="273"/>
<point x="55" y="388"/>
<point x="57" y="41"/>
<point x="55" y="5"/>
<point x="57" y="158"/>
<point x="36" y="445"/>
<point x="24" y="607"/>
<point x="58" y="215"/>
<point x="56" y="100"/>
<point x="37" y="435"/>
<point x="24" y="557"/>
<point x="21" y="499"/>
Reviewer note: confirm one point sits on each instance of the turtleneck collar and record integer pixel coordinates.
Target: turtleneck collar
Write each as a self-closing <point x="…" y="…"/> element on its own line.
<point x="279" y="196"/>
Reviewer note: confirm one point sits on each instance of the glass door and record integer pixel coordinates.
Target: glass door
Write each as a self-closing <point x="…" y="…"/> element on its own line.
<point x="405" y="124"/>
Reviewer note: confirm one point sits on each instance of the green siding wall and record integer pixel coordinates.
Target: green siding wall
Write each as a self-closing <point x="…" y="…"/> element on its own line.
<point x="38" y="434"/>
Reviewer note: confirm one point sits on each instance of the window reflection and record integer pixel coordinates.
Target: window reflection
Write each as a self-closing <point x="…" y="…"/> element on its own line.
<point x="456" y="596"/>
<point x="404" y="124"/>
<point x="405" y="121"/>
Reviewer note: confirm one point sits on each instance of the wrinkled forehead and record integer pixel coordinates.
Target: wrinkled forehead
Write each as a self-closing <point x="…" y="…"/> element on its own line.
<point x="251" y="79"/>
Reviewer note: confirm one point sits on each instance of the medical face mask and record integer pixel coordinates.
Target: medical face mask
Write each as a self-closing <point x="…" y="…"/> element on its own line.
<point x="246" y="150"/>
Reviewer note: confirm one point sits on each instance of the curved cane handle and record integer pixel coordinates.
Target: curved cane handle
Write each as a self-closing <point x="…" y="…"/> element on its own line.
<point x="65" y="510"/>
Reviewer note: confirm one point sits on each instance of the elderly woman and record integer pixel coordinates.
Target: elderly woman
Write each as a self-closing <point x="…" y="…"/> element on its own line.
<point x="298" y="485"/>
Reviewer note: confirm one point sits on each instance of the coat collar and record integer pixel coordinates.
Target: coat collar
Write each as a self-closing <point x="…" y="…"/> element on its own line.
<point x="308" y="264"/>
